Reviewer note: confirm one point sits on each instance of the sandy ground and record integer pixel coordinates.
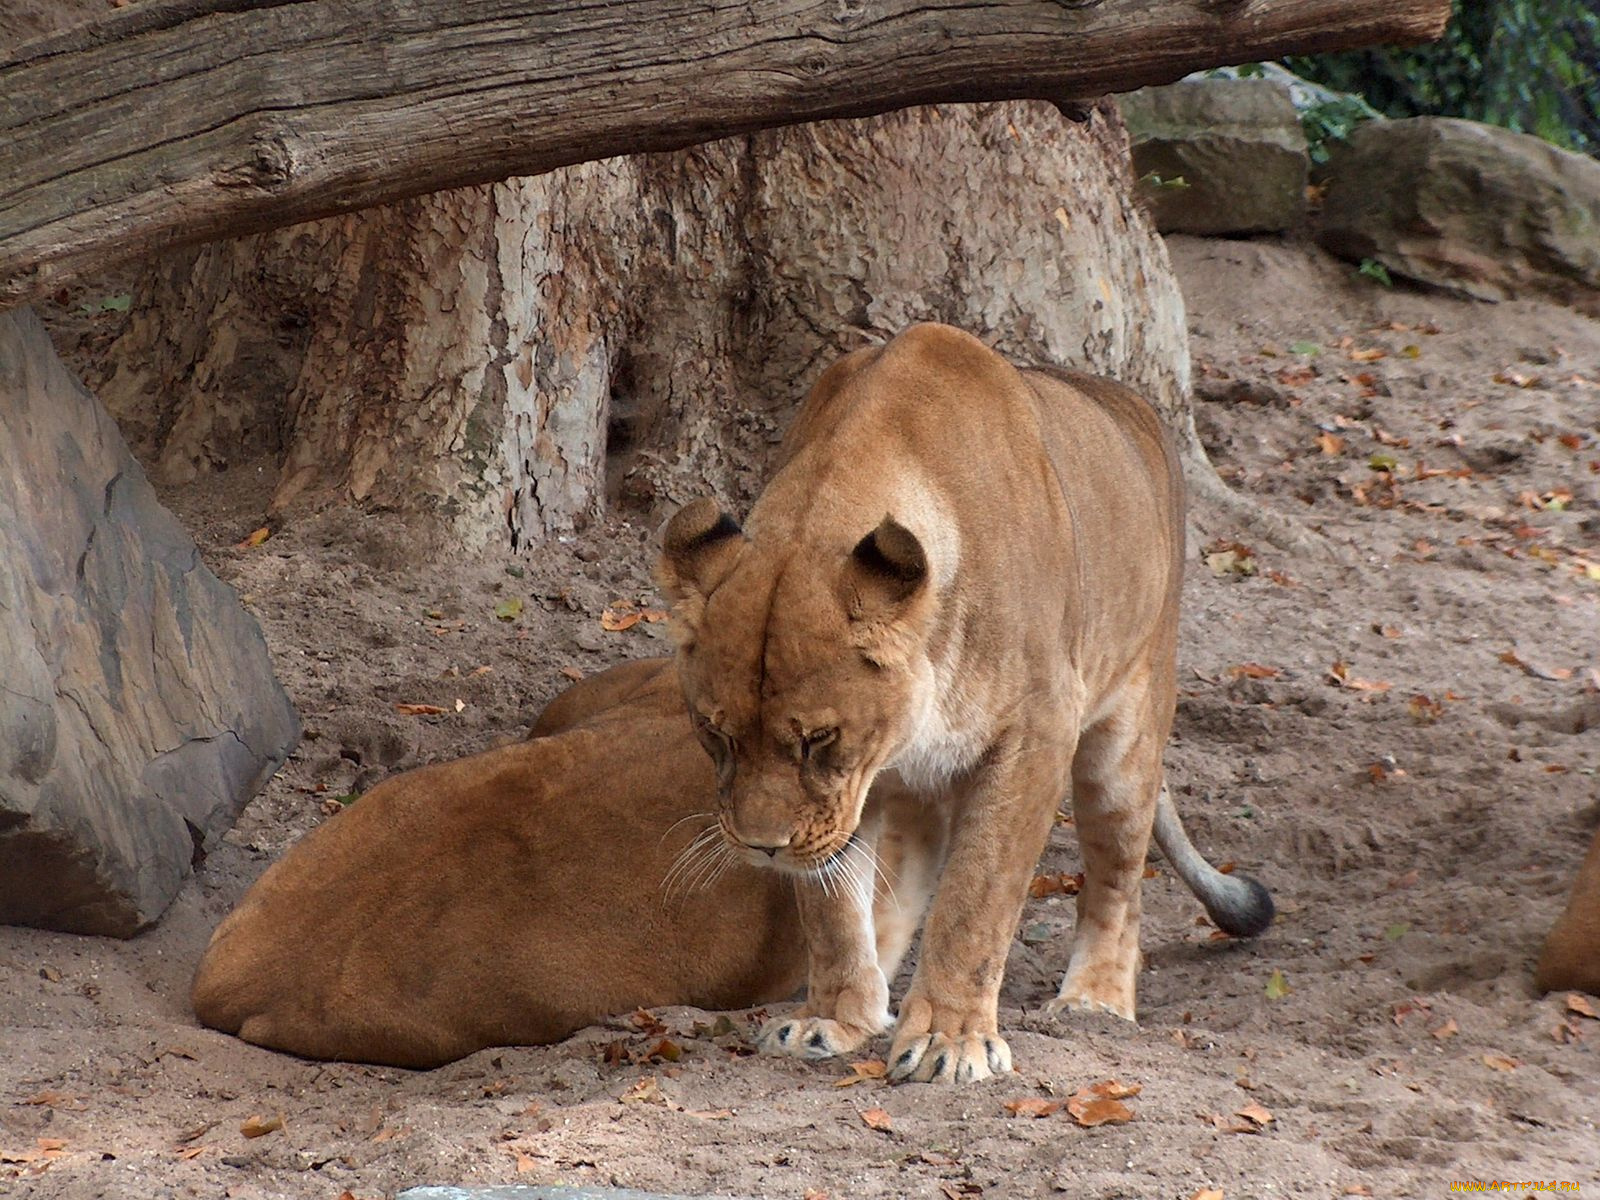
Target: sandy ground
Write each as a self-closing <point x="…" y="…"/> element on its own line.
<point x="1392" y="722"/>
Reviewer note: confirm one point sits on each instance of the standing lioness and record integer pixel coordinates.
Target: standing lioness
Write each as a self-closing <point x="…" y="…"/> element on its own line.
<point x="970" y="574"/>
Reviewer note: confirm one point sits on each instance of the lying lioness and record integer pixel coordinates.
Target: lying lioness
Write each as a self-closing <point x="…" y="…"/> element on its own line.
<point x="1571" y="955"/>
<point x="513" y="897"/>
<point x="969" y="574"/>
<point x="507" y="898"/>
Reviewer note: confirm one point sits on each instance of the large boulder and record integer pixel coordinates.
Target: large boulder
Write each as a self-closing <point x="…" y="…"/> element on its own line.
<point x="1470" y="208"/>
<point x="138" y="711"/>
<point x="1236" y="144"/>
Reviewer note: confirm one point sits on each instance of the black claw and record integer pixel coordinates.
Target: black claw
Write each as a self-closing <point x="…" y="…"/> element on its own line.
<point x="815" y="1039"/>
<point x="939" y="1065"/>
<point x="903" y="1063"/>
<point x="783" y="1034"/>
<point x="992" y="1052"/>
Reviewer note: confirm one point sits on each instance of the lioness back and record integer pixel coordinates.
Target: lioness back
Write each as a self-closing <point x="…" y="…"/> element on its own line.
<point x="507" y="898"/>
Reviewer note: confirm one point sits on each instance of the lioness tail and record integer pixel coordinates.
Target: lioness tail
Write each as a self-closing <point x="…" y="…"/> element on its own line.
<point x="1237" y="904"/>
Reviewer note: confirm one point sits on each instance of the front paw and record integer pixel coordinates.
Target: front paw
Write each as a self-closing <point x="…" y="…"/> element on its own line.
<point x="811" y="1037"/>
<point x="935" y="1045"/>
<point x="940" y="1058"/>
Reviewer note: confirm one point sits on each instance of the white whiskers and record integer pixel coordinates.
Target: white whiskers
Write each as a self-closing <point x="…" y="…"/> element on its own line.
<point x="852" y="872"/>
<point x="699" y="864"/>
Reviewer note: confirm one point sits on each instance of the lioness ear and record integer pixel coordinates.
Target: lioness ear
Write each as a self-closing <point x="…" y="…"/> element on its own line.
<point x="699" y="546"/>
<point x="887" y="570"/>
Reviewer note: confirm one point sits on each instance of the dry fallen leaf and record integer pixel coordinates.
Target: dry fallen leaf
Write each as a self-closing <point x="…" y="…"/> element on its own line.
<point x="616" y="621"/>
<point x="418" y="710"/>
<point x="1208" y="1194"/>
<point x="877" y="1118"/>
<point x="1090" y="1113"/>
<point x="1448" y="1030"/>
<point x="647" y="1022"/>
<point x="1230" y="558"/>
<point x="1501" y="1062"/>
<point x="1408" y="1008"/>
<point x="572" y="673"/>
<point x="1101" y="1103"/>
<point x="1330" y="443"/>
<point x="1358" y="1189"/>
<point x="644" y="1091"/>
<point x="1256" y="1114"/>
<point x="1231" y="1124"/>
<point x="1254" y="670"/>
<point x="196" y="1133"/>
<point x="666" y="1050"/>
<point x="1581" y="1005"/>
<point x="76" y="1104"/>
<point x="1063" y="884"/>
<point x="1110" y="1089"/>
<point x="1364" y="356"/>
<point x="871" y="1068"/>
<point x="259" y="1126"/>
<point x="1032" y="1106"/>
<point x="1277" y="986"/>
<point x="1424" y="709"/>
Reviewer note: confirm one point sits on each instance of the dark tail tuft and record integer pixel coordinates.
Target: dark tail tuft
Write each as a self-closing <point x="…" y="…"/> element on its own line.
<point x="1241" y="906"/>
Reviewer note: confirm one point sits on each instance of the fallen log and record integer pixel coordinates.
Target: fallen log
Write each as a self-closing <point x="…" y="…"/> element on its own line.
<point x="181" y="121"/>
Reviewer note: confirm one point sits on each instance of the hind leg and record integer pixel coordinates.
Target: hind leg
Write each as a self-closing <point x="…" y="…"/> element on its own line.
<point x="1115" y="781"/>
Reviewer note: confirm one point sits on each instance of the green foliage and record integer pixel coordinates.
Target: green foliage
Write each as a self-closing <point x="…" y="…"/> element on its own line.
<point x="1332" y="121"/>
<point x="1159" y="183"/>
<point x="1529" y="65"/>
<point x="1374" y="270"/>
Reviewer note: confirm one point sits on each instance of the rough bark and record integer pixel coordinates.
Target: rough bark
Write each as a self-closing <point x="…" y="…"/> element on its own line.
<point x="492" y="354"/>
<point x="187" y="120"/>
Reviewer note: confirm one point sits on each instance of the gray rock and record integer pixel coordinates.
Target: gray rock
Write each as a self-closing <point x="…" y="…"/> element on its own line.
<point x="1236" y="143"/>
<point x="1474" y="209"/>
<point x="138" y="709"/>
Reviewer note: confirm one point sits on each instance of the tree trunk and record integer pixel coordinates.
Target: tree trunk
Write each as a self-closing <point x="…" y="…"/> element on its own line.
<point x="509" y="358"/>
<point x="181" y="121"/>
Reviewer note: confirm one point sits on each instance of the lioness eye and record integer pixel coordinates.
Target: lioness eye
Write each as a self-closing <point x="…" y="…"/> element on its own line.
<point x="719" y="746"/>
<point x="816" y="741"/>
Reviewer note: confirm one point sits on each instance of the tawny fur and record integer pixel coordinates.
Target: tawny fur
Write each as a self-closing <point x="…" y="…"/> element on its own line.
<point x="507" y="898"/>
<point x="968" y="574"/>
<point x="1571" y="955"/>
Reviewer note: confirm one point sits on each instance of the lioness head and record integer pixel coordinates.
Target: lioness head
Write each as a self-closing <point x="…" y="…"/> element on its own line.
<point x="804" y="671"/>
